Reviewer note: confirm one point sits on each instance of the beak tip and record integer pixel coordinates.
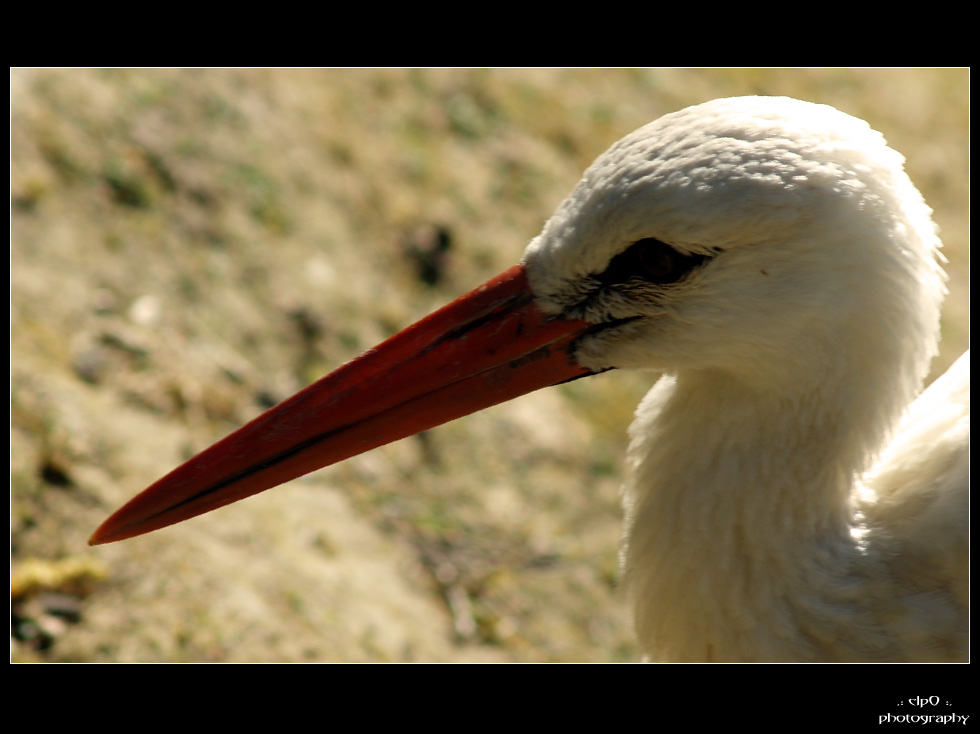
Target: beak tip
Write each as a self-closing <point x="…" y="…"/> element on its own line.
<point x="99" y="538"/>
<point x="110" y="532"/>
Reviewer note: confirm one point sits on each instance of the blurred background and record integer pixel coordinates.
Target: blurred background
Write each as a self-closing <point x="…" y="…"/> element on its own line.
<point x="189" y="247"/>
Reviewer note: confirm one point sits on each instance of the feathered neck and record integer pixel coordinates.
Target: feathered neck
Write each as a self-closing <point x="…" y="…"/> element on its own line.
<point x="739" y="510"/>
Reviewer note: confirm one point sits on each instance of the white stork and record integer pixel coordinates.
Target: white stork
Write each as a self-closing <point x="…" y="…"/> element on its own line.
<point x="788" y="501"/>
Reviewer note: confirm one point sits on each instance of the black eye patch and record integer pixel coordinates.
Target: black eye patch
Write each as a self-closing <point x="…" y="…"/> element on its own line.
<point x="649" y="260"/>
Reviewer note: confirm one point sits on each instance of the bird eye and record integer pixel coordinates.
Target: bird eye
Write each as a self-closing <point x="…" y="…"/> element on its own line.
<point x="651" y="260"/>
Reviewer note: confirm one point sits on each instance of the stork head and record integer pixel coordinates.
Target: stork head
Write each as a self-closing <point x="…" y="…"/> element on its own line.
<point x="774" y="240"/>
<point x="762" y="236"/>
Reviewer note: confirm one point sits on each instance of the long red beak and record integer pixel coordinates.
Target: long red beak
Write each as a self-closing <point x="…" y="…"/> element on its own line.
<point x="486" y="347"/>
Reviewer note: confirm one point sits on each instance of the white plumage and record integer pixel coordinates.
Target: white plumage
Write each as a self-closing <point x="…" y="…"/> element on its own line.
<point x="754" y="528"/>
<point x="773" y="260"/>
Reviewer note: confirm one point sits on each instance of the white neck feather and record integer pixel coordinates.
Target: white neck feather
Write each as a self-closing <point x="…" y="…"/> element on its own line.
<point x="739" y="523"/>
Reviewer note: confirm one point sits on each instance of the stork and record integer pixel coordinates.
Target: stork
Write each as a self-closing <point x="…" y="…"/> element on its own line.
<point x="787" y="500"/>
